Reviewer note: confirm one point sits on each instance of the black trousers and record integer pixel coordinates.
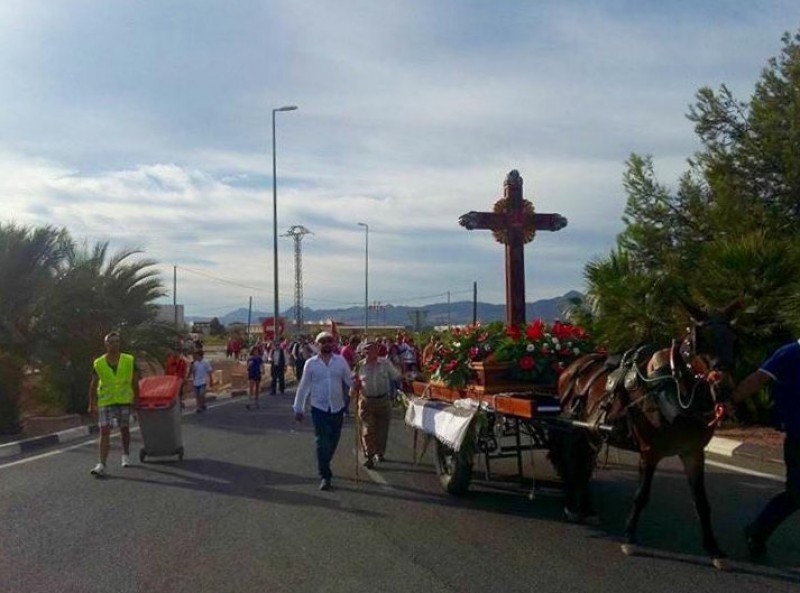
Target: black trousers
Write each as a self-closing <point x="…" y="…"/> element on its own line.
<point x="278" y="374"/>
<point x="787" y="502"/>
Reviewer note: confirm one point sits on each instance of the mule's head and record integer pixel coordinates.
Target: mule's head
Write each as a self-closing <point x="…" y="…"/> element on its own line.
<point x="713" y="338"/>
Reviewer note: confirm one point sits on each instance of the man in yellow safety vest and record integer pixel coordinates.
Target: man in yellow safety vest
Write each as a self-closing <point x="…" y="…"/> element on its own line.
<point x="113" y="392"/>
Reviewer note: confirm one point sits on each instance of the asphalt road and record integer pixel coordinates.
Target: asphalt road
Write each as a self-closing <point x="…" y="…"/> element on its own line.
<point x="242" y="513"/>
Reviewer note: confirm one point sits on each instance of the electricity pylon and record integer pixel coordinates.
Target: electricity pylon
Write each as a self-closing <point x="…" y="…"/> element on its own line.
<point x="297" y="232"/>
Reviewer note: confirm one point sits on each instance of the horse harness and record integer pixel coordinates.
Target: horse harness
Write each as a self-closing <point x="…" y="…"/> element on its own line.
<point x="628" y="386"/>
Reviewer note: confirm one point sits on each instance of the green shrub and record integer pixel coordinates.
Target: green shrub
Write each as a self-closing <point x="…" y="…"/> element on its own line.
<point x="756" y="409"/>
<point x="10" y="382"/>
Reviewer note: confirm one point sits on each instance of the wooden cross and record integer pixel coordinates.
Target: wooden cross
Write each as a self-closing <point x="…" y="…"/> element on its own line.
<point x="513" y="223"/>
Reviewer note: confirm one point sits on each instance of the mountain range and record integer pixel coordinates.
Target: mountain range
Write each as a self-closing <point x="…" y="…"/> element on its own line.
<point x="456" y="313"/>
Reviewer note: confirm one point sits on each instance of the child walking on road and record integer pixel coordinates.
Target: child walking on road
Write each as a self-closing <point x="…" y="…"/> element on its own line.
<point x="255" y="364"/>
<point x="202" y="379"/>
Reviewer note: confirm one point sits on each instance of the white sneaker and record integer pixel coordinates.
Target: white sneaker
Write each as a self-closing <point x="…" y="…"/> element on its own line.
<point x="99" y="470"/>
<point x="126" y="462"/>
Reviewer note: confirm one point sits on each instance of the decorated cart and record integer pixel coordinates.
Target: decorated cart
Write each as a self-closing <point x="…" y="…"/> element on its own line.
<point x="502" y="409"/>
<point x="492" y="390"/>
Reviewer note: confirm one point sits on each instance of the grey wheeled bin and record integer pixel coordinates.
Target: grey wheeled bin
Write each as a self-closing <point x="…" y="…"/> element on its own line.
<point x="160" y="417"/>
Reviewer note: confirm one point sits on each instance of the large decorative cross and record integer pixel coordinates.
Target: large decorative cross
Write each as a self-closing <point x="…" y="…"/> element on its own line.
<point x="513" y="223"/>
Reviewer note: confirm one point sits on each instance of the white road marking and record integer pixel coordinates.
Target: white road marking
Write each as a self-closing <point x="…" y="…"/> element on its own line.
<point x="373" y="475"/>
<point x="93" y="441"/>
<point x="742" y="470"/>
<point x="49" y="453"/>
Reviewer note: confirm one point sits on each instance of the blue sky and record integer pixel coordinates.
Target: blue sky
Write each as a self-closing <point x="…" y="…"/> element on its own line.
<point x="148" y="124"/>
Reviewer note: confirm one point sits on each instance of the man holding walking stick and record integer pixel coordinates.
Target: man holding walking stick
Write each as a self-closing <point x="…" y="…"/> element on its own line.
<point x="373" y="384"/>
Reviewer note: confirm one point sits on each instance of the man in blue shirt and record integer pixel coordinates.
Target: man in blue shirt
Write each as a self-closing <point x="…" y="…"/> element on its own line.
<point x="783" y="370"/>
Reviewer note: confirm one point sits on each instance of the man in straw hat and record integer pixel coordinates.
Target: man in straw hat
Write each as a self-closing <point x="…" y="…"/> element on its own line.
<point x="326" y="380"/>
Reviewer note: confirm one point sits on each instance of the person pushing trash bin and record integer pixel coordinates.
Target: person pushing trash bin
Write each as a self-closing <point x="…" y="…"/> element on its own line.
<point x="113" y="392"/>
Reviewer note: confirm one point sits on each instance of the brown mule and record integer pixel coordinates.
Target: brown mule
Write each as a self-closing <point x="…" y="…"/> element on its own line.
<point x="666" y="404"/>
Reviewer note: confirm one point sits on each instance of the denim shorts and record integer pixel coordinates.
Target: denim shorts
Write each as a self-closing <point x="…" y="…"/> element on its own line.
<point x="107" y="414"/>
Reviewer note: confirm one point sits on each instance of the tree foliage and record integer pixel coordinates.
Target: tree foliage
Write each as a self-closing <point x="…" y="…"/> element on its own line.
<point x="216" y="328"/>
<point x="751" y="150"/>
<point x="728" y="231"/>
<point x="57" y="301"/>
<point x="30" y="260"/>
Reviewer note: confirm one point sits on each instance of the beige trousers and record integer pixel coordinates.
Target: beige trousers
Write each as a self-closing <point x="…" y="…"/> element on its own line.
<point x="375" y="415"/>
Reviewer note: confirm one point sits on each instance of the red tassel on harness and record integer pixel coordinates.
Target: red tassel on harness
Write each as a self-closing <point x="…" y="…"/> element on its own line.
<point x="719" y="414"/>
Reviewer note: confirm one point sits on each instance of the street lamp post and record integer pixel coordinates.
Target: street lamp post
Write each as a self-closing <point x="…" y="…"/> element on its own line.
<point x="275" y="219"/>
<point x="366" y="276"/>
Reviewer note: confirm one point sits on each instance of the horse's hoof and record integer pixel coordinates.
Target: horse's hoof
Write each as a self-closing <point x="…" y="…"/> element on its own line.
<point x="721" y="563"/>
<point x="630" y="549"/>
<point x="571" y="517"/>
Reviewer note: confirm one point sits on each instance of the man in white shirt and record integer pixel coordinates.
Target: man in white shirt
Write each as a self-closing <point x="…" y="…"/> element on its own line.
<point x="327" y="380"/>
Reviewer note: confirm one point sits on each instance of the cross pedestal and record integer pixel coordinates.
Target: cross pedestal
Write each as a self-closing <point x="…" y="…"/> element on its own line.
<point x="513" y="223"/>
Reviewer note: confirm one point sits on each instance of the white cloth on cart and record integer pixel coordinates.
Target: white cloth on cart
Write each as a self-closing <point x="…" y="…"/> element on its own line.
<point x="448" y="423"/>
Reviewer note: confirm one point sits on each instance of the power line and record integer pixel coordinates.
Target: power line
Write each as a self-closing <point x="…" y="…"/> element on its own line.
<point x="431" y="296"/>
<point x="320" y="300"/>
<point x="223" y="280"/>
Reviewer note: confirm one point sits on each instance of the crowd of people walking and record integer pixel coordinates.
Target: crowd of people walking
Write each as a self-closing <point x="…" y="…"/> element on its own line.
<point x="331" y="373"/>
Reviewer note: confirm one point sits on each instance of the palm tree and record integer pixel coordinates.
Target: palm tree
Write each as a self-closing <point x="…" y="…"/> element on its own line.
<point x="30" y="261"/>
<point x="760" y="268"/>
<point x="99" y="292"/>
<point x="630" y="305"/>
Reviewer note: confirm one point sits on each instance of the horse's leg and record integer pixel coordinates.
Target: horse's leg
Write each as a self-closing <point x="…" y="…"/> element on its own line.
<point x="562" y="447"/>
<point x="694" y="465"/>
<point x="581" y="455"/>
<point x="647" y="467"/>
<point x="588" y="458"/>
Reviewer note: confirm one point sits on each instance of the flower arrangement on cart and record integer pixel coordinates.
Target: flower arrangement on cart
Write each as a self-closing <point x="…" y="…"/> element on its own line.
<point x="534" y="353"/>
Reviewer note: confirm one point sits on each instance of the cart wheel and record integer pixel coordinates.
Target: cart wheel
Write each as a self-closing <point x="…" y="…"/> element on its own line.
<point x="142" y="455"/>
<point x="180" y="453"/>
<point x="454" y="468"/>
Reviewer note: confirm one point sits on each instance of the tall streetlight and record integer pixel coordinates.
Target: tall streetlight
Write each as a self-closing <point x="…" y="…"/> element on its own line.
<point x="275" y="218"/>
<point x="366" y="276"/>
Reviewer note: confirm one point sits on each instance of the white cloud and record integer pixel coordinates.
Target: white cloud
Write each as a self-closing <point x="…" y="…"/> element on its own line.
<point x="155" y="130"/>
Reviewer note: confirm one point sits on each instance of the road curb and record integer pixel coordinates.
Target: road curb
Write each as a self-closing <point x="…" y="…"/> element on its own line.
<point x="48" y="440"/>
<point x="732" y="448"/>
<point x="73" y="434"/>
<point x="723" y="446"/>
